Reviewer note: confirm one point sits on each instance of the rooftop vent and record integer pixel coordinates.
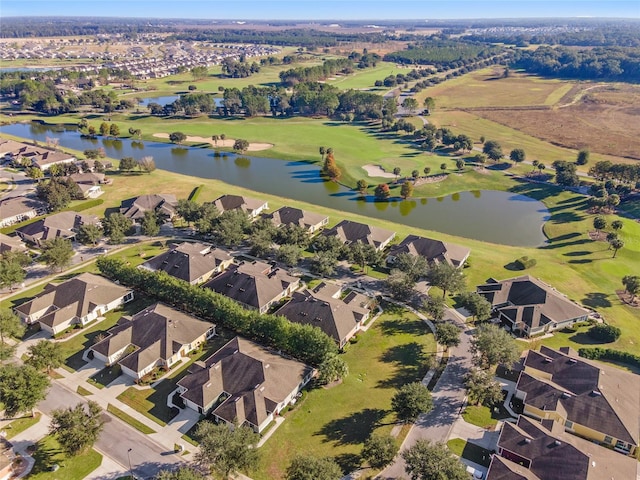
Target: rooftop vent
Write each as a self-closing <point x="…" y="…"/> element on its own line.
<point x="573" y="361"/>
<point x="596" y="393"/>
<point x="557" y="443"/>
<point x="527" y="440"/>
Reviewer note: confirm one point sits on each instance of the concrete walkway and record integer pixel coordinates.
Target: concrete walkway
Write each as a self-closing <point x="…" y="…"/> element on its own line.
<point x="22" y="441"/>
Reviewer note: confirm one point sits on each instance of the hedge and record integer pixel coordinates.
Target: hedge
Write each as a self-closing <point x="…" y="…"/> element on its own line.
<point x="85" y="205"/>
<point x="525" y="262"/>
<point x="305" y="342"/>
<point x="598" y="353"/>
<point x="604" y="333"/>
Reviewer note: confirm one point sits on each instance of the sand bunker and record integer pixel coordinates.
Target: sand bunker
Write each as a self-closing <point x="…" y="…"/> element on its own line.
<point x="377" y="171"/>
<point x="227" y="142"/>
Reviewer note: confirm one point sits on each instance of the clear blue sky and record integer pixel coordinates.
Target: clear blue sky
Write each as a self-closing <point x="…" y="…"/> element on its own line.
<point x="323" y="9"/>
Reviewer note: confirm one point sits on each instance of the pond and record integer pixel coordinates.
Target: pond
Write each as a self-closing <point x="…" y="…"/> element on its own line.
<point x="488" y="215"/>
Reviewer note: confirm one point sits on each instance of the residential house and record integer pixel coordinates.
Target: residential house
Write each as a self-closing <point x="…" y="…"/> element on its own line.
<point x="45" y="160"/>
<point x="350" y="232"/>
<point x="9" y="147"/>
<point x="163" y="204"/>
<point x="158" y="336"/>
<point x="77" y="301"/>
<point x="89" y="183"/>
<point x="11" y="244"/>
<point x="191" y="262"/>
<point x="243" y="383"/>
<point x="251" y="206"/>
<point x="15" y="151"/>
<point x="530" y="450"/>
<point x="434" y="251"/>
<point x="528" y="306"/>
<point x="256" y="285"/>
<point x="591" y="399"/>
<point x="18" y="209"/>
<point x="63" y="224"/>
<point x="323" y="307"/>
<point x="311" y="222"/>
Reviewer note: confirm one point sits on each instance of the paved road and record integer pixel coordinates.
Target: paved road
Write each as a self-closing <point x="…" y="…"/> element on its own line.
<point x="118" y="440"/>
<point x="448" y="398"/>
<point x="21" y="183"/>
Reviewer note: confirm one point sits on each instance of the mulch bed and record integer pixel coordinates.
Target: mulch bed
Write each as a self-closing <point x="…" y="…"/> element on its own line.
<point x="598" y="236"/>
<point x="626" y="299"/>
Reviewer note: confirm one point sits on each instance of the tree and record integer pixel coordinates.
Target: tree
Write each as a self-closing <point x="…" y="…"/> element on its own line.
<point x="631" y="285"/>
<point x="77" y="428"/>
<point x="21" y="388"/>
<point x="10" y="326"/>
<point x="150" y="225"/>
<point x="45" y="355"/>
<point x="362" y="187"/>
<point x="11" y="272"/>
<point x="116" y="227"/>
<point x="330" y="168"/>
<point x="416" y="266"/>
<point x="541" y="167"/>
<point x="147" y="164"/>
<point x="57" y="253"/>
<point x="460" y="163"/>
<point x="446" y="277"/>
<point x="181" y="473"/>
<point x="89" y="234"/>
<point x="288" y="254"/>
<point x="34" y="173"/>
<point x="231" y="226"/>
<point x="534" y="165"/>
<point x="429" y="103"/>
<point x="410" y="104"/>
<point x="477" y="305"/>
<point x="616" y="244"/>
<point x="322" y="151"/>
<point x="127" y="164"/>
<point x="493" y="150"/>
<point x="114" y="130"/>
<point x="241" y="145"/>
<point x="599" y="223"/>
<point x="406" y="190"/>
<point x="443" y="167"/>
<point x="225" y="450"/>
<point x="379" y="450"/>
<point x="415" y="174"/>
<point x="482" y="389"/>
<point x="324" y="263"/>
<point x="566" y="173"/>
<point x="177" y="137"/>
<point x="617" y="225"/>
<point x="199" y="72"/>
<point x="604" y="333"/>
<point x="434" y="307"/>
<point x="333" y="368"/>
<point x="517" y="155"/>
<point x="583" y="157"/>
<point x="104" y="129"/>
<point x="427" y="170"/>
<point x="396" y="171"/>
<point x="447" y="334"/>
<point x="308" y="467"/>
<point x="411" y="400"/>
<point x="382" y="192"/>
<point x="493" y="345"/>
<point x="400" y="284"/>
<point x="432" y="461"/>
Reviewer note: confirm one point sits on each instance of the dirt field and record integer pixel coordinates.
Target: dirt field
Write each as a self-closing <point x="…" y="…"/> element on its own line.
<point x="605" y="119"/>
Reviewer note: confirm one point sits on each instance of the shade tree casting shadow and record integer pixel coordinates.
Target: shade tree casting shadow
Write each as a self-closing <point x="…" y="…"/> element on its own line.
<point x="354" y="428"/>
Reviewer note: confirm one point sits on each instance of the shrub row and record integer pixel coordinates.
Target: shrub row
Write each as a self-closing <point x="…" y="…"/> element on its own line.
<point x="304" y="342"/>
<point x="598" y="353"/>
<point x="85" y="205"/>
<point x="525" y="262"/>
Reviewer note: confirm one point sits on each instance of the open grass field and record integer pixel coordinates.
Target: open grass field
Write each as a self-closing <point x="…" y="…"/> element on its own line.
<point x="604" y="119"/>
<point x="48" y="453"/>
<point x="366" y="78"/>
<point x="487" y="88"/>
<point x="336" y="421"/>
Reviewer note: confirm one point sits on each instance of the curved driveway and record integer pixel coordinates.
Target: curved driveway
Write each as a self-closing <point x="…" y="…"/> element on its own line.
<point x="448" y="399"/>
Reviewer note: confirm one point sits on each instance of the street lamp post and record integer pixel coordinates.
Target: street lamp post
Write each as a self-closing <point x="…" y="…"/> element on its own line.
<point x="130" y="470"/>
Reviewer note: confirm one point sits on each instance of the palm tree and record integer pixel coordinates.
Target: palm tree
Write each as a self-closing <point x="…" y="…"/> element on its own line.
<point x="427" y="170"/>
<point x="616" y="244"/>
<point x="535" y="164"/>
<point x="396" y="172"/>
<point x="541" y="167"/>
<point x="215" y="139"/>
<point x="322" y="150"/>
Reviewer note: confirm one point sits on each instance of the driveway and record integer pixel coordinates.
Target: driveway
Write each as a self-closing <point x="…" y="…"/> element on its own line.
<point x="448" y="400"/>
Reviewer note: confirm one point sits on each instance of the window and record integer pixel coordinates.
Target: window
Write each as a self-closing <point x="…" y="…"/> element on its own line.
<point x="569" y="425"/>
<point x="608" y="439"/>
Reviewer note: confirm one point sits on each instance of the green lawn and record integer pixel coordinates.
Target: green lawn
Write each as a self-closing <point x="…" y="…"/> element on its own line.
<point x="20" y="425"/>
<point x="105" y="376"/>
<point x="483" y="416"/>
<point x="125" y="417"/>
<point x="48" y="453"/>
<point x="336" y="421"/>
<point x="470" y="451"/>
<point x="152" y="402"/>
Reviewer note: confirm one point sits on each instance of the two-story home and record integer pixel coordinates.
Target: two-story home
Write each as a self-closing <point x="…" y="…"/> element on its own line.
<point x="79" y="300"/>
<point x="323" y="307"/>
<point x="256" y="285"/>
<point x="527" y="306"/>
<point x="532" y="450"/>
<point x="311" y="222"/>
<point x="243" y="383"/>
<point x="63" y="224"/>
<point x="158" y="336"/>
<point x="192" y="262"/>
<point x="434" y="251"/>
<point x="590" y="399"/>
<point x="251" y="206"/>
<point x="349" y="232"/>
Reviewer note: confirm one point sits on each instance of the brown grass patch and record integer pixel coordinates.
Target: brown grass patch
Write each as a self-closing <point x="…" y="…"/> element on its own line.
<point x="626" y="299"/>
<point x="605" y="121"/>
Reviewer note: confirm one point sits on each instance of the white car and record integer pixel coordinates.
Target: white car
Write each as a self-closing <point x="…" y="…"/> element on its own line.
<point x="474" y="473"/>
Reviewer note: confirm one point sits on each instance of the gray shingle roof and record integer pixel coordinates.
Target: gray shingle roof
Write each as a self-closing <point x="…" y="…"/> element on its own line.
<point x="248" y="205"/>
<point x="189" y="261"/>
<point x="433" y="250"/>
<point x="350" y="232"/>
<point x="61" y="224"/>
<point x="162" y="204"/>
<point x="296" y="216"/>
